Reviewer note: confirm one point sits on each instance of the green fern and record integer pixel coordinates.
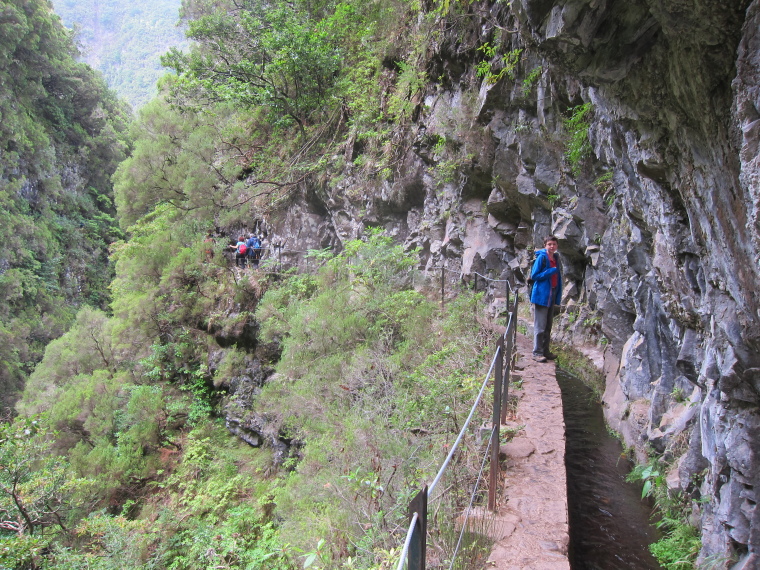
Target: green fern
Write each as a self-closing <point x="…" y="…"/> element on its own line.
<point x="578" y="145"/>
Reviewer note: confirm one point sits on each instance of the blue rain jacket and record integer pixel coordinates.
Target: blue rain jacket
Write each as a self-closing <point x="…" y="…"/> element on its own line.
<point x="541" y="273"/>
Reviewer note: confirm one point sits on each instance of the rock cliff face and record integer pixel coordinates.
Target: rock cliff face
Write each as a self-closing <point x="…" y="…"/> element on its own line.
<point x="658" y="227"/>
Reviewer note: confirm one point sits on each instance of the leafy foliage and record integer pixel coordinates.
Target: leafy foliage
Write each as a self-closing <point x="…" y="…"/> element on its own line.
<point x="530" y="80"/>
<point x="190" y="162"/>
<point x="578" y="145"/>
<point x="508" y="62"/>
<point x="679" y="549"/>
<point x="355" y="357"/>
<point x="309" y="74"/>
<point x="680" y="545"/>
<point x="62" y="134"/>
<point x="265" y="54"/>
<point x="37" y="492"/>
<point x="125" y="436"/>
<point x="370" y="381"/>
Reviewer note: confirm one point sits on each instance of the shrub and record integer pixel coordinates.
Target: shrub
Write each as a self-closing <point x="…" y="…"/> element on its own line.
<point x="372" y="387"/>
<point x="680" y="545"/>
<point x="578" y="145"/>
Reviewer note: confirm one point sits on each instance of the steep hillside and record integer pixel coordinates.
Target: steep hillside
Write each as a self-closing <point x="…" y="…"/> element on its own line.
<point x="61" y="136"/>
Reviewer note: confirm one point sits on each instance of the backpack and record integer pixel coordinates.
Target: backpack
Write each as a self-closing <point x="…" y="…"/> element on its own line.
<point x="242" y="249"/>
<point x="255" y="243"/>
<point x="530" y="281"/>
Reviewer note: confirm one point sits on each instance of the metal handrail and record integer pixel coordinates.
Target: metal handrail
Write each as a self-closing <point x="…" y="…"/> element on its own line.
<point x="472" y="501"/>
<point x="500" y="400"/>
<point x="464" y="428"/>
<point x="408" y="541"/>
<point x="484" y="277"/>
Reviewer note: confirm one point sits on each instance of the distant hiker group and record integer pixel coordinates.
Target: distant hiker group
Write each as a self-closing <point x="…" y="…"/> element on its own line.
<point x="248" y="251"/>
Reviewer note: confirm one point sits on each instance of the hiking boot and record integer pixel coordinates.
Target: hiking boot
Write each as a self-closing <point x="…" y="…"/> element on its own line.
<point x="539" y="358"/>
<point x="550" y="356"/>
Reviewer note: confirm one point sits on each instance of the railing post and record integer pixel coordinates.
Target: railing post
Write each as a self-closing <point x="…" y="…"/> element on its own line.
<point x="442" y="285"/>
<point x="495" y="425"/>
<point x="418" y="545"/>
<point x="505" y="379"/>
<point x="513" y="356"/>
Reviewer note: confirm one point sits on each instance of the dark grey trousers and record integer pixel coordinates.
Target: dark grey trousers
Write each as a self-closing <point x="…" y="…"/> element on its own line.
<point x="542" y="326"/>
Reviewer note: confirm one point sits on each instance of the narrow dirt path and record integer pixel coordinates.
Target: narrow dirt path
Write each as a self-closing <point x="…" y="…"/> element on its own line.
<point x="531" y="528"/>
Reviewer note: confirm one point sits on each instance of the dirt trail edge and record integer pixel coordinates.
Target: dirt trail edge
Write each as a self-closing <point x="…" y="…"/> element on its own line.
<point x="531" y="528"/>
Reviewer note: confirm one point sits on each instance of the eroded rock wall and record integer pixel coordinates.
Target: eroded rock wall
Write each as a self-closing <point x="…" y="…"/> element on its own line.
<point x="658" y="228"/>
<point x="676" y="278"/>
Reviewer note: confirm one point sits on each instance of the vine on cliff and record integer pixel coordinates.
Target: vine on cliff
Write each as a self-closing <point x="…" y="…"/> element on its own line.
<point x="491" y="72"/>
<point x="578" y="144"/>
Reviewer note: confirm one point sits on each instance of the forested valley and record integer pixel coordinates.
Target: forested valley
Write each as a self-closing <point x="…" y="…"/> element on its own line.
<point x="124" y="41"/>
<point x="63" y="135"/>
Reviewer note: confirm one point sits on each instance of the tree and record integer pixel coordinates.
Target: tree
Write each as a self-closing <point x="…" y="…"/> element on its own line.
<point x="35" y="487"/>
<point x="178" y="159"/>
<point x="269" y="55"/>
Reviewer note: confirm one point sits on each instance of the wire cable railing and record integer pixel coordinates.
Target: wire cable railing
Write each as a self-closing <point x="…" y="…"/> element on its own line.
<point x="470" y="505"/>
<point x="463" y="431"/>
<point x="413" y="552"/>
<point x="272" y="259"/>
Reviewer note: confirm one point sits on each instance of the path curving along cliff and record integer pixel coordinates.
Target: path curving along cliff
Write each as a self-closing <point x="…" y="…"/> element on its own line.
<point x="531" y="526"/>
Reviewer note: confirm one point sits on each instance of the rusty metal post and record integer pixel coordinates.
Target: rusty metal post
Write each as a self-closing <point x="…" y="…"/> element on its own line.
<point x="508" y="352"/>
<point x="495" y="431"/>
<point x="442" y="286"/>
<point x="418" y="545"/>
<point x="505" y="377"/>
<point x="506" y="292"/>
<point x="514" y="329"/>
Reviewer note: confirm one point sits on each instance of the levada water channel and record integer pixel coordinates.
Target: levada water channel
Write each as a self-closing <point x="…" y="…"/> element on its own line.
<point x="609" y="523"/>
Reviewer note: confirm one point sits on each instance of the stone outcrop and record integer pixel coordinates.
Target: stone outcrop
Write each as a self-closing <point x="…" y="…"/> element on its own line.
<point x="658" y="228"/>
<point x="256" y="428"/>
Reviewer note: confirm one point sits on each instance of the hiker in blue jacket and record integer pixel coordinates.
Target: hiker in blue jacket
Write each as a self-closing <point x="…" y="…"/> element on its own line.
<point x="254" y="249"/>
<point x="547" y="292"/>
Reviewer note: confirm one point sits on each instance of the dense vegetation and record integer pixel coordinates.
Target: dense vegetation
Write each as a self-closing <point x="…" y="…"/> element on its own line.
<point x="120" y="456"/>
<point x="370" y="389"/>
<point x="62" y="134"/>
<point x="125" y="40"/>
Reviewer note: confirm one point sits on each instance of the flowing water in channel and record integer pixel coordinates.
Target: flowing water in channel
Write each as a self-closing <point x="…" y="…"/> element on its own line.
<point x="609" y="523"/>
